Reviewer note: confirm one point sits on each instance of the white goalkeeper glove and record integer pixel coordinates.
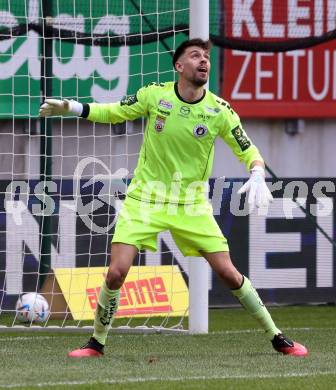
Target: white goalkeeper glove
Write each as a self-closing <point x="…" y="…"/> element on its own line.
<point x="56" y="107"/>
<point x="259" y="194"/>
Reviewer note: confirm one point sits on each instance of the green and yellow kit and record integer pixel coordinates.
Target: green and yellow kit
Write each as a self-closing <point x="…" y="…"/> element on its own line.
<point x="175" y="163"/>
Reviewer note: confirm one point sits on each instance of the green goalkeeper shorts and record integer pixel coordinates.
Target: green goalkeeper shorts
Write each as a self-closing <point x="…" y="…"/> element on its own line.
<point x="193" y="227"/>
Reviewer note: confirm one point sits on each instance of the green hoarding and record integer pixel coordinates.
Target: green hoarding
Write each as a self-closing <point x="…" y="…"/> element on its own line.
<point x="86" y="72"/>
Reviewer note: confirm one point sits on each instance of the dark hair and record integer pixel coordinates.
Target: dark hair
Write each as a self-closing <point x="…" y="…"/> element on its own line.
<point x="205" y="45"/>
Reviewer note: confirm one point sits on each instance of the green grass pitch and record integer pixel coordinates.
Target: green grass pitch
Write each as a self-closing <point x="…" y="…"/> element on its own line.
<point x="234" y="355"/>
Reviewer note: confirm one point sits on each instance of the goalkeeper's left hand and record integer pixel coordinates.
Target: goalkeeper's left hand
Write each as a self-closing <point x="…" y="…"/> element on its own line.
<point x="259" y="194"/>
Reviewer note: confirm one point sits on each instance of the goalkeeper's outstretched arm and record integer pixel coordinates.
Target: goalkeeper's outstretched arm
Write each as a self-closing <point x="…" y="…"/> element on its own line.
<point x="128" y="108"/>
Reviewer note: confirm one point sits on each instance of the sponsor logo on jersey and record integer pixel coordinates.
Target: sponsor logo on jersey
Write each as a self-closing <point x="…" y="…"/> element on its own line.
<point x="241" y="138"/>
<point x="128" y="100"/>
<point x="213" y="110"/>
<point x="204" y="117"/>
<point x="165" y="104"/>
<point x="163" y="112"/>
<point x="200" y="130"/>
<point x="159" y="123"/>
<point x="184" y="111"/>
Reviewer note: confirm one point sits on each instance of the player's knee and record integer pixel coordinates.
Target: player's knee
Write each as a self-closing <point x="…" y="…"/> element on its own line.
<point x="115" y="278"/>
<point x="231" y="277"/>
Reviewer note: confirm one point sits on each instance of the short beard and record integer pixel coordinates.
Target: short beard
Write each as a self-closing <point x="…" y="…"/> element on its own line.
<point x="199" y="82"/>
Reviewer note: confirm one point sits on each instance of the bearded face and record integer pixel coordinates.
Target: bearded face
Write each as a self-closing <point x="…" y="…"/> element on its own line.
<point x="194" y="65"/>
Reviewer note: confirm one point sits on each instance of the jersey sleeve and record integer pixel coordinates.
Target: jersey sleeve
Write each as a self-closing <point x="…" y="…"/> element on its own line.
<point x="236" y="138"/>
<point x="129" y="108"/>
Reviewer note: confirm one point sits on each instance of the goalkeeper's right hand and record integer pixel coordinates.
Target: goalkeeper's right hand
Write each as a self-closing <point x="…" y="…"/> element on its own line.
<point x="56" y="107"/>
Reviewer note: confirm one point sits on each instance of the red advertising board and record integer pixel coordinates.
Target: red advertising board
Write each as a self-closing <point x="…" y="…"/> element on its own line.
<point x="293" y="84"/>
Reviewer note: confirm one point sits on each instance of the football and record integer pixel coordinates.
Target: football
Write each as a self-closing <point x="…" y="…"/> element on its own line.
<point x="32" y="307"/>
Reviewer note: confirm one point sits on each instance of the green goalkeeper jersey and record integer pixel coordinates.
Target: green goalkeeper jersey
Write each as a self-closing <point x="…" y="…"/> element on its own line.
<point x="177" y="153"/>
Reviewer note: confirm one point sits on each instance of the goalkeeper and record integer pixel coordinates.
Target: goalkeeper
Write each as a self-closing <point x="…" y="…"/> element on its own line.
<point x="168" y="188"/>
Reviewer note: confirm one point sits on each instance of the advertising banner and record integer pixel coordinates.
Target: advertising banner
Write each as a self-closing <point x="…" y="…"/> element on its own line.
<point x="87" y="72"/>
<point x="289" y="256"/>
<point x="147" y="291"/>
<point x="292" y="84"/>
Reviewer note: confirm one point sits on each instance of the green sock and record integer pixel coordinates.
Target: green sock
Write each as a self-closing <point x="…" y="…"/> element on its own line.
<point x="251" y="301"/>
<point x="107" y="305"/>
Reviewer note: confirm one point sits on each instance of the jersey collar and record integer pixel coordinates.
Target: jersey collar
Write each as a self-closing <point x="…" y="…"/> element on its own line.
<point x="184" y="101"/>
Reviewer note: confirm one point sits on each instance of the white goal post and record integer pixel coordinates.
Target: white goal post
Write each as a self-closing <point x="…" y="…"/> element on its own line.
<point x="199" y="268"/>
<point x="84" y="156"/>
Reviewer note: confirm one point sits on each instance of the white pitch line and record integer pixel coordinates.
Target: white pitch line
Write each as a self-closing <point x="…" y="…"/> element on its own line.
<point x="168" y="379"/>
<point x="241" y="331"/>
<point x="261" y="330"/>
<point x="24" y="338"/>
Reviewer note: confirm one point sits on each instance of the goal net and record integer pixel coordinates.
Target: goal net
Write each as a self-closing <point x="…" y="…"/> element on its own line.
<point x="63" y="180"/>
